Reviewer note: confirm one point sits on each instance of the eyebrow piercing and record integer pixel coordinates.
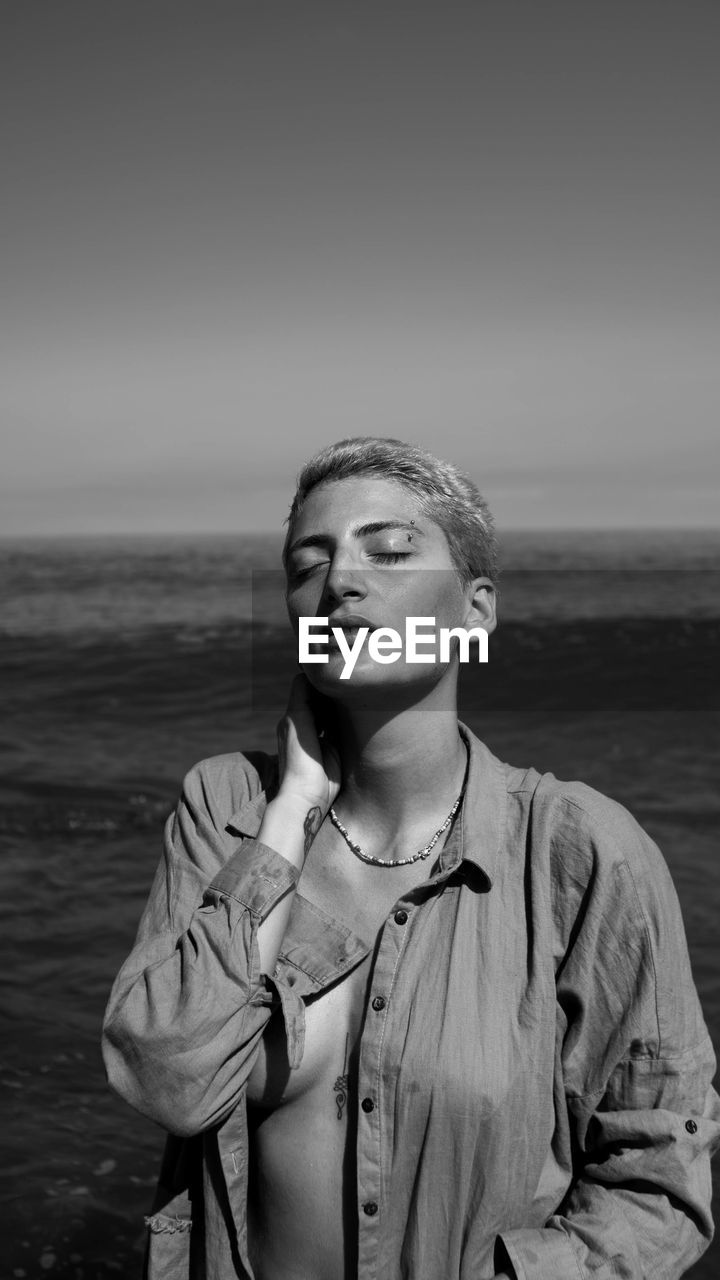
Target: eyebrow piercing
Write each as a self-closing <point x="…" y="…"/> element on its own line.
<point x="410" y="537"/>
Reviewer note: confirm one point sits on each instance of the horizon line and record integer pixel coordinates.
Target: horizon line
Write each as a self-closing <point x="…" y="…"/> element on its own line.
<point x="66" y="535"/>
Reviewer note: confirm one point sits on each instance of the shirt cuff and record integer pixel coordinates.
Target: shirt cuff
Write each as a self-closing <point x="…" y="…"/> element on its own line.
<point x="536" y="1253"/>
<point x="256" y="876"/>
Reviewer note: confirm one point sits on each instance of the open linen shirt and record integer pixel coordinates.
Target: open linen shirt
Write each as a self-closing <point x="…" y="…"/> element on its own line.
<point x="532" y="1042"/>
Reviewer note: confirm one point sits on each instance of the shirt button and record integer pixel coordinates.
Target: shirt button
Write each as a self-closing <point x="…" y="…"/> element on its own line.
<point x="378" y="1003"/>
<point x="367" y="1104"/>
<point x="401" y="917"/>
<point x="370" y="1208"/>
<point x="691" y="1126"/>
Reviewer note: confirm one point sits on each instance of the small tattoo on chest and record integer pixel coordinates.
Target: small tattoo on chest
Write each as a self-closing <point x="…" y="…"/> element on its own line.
<point x="340" y="1086"/>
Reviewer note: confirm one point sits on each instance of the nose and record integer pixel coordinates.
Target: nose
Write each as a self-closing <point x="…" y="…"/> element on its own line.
<point x="343" y="582"/>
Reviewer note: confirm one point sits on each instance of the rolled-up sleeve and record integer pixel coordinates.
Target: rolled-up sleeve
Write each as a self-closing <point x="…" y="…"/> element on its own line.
<point x="189" y="1006"/>
<point x="637" y="1065"/>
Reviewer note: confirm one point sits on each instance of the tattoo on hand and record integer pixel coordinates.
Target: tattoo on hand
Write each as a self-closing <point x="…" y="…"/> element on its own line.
<point x="340" y="1086"/>
<point x="311" y="826"/>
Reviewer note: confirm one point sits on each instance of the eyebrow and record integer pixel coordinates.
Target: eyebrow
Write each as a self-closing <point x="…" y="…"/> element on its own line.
<point x="359" y="531"/>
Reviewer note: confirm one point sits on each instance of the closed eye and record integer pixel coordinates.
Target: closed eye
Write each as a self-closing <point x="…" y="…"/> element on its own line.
<point x="382" y="557"/>
<point x="297" y="575"/>
<point x="390" y="557"/>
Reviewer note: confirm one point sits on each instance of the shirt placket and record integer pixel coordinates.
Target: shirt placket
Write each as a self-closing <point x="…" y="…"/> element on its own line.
<point x="376" y="1103"/>
<point x="373" y="1112"/>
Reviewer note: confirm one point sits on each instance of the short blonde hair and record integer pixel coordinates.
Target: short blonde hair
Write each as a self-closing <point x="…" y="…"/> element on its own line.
<point x="445" y="494"/>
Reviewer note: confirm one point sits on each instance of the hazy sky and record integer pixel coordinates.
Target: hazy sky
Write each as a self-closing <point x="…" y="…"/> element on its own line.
<point x="233" y="232"/>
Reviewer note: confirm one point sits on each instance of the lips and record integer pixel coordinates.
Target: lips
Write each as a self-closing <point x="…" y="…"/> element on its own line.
<point x="349" y="624"/>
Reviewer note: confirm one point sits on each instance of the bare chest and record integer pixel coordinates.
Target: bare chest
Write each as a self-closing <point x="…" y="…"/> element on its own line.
<point x="333" y="1024"/>
<point x="360" y="898"/>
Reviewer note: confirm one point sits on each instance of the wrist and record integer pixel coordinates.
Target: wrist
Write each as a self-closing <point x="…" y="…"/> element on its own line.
<point x="297" y="801"/>
<point x="290" y="824"/>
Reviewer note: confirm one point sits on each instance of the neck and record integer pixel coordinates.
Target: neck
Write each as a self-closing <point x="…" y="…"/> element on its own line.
<point x="401" y="764"/>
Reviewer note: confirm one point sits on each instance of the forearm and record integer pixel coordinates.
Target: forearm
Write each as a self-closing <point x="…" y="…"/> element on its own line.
<point x="171" y="1051"/>
<point x="190" y="1005"/>
<point x="309" y="773"/>
<point x="289" y="826"/>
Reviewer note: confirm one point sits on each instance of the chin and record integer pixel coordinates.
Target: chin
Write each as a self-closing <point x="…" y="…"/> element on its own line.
<point x="394" y="681"/>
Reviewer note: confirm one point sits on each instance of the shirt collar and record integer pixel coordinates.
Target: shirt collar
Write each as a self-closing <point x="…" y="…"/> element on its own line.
<point x="477" y="839"/>
<point x="246" y="820"/>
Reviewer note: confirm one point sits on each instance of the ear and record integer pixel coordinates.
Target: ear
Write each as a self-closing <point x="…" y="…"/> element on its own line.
<point x="481" y="605"/>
